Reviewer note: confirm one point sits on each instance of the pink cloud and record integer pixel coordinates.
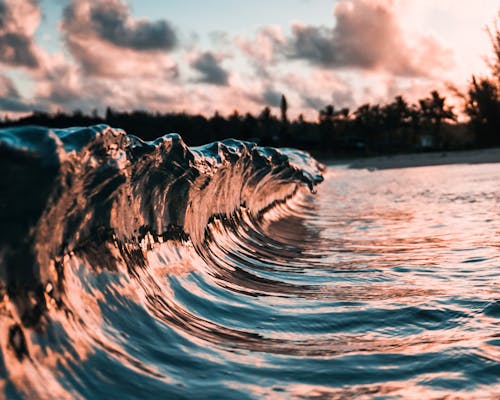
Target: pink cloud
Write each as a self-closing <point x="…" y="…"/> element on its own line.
<point x="366" y="55"/>
<point x="107" y="41"/>
<point x="262" y="48"/>
<point x="18" y="21"/>
<point x="367" y="35"/>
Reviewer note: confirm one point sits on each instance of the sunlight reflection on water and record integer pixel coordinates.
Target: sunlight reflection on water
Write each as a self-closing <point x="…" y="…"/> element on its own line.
<point x="396" y="272"/>
<point x="384" y="284"/>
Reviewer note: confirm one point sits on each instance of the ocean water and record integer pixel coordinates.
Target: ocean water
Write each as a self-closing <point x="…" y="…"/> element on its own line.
<point x="151" y="270"/>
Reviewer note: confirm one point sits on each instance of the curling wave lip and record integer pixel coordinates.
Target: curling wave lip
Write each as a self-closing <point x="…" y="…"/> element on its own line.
<point x="65" y="190"/>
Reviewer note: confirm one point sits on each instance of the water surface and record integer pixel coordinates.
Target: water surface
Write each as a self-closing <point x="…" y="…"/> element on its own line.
<point x="383" y="284"/>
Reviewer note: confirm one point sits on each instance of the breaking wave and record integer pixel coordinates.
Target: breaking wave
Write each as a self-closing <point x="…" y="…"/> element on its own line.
<point x="93" y="220"/>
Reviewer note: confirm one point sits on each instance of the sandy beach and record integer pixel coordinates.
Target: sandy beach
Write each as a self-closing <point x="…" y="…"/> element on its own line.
<point x="483" y="156"/>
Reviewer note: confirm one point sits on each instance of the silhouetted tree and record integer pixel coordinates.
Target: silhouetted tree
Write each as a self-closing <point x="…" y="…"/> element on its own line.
<point x="483" y="98"/>
<point x="326" y="126"/>
<point x="326" y="115"/>
<point x="372" y="128"/>
<point x="269" y="128"/>
<point x="483" y="109"/>
<point x="433" y="112"/>
<point x="283" y="108"/>
<point x="216" y="124"/>
<point x="369" y="124"/>
<point x="494" y="60"/>
<point x="250" y="128"/>
<point x="398" y="117"/>
<point x="109" y="113"/>
<point x="265" y="114"/>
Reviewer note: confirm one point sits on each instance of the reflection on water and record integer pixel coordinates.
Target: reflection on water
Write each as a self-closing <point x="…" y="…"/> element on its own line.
<point x="384" y="284"/>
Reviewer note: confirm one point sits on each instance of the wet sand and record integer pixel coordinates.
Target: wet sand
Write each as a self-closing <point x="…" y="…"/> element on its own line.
<point x="484" y="156"/>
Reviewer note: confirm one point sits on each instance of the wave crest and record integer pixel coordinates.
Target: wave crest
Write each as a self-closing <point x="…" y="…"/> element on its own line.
<point x="65" y="190"/>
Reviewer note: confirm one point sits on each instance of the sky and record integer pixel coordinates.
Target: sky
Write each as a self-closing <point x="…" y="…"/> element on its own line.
<point x="225" y="55"/>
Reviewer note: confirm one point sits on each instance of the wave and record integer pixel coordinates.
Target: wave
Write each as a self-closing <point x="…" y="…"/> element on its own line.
<point x="78" y="202"/>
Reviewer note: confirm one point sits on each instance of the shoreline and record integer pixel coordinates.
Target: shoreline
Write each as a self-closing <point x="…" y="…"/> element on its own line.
<point x="483" y="156"/>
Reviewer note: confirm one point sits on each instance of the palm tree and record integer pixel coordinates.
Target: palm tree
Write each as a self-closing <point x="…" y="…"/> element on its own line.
<point x="483" y="97"/>
<point x="283" y="108"/>
<point x="433" y="112"/>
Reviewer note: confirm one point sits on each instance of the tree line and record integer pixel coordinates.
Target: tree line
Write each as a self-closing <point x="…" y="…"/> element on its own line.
<point x="398" y="126"/>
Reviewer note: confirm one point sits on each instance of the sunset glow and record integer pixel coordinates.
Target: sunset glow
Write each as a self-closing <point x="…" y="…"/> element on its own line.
<point x="171" y="56"/>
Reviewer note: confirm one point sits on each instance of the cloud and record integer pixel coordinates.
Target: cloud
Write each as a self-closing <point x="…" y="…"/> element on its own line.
<point x="367" y="35"/>
<point x="11" y="101"/>
<point x="7" y="87"/>
<point x="317" y="88"/>
<point x="125" y="62"/>
<point x="209" y="67"/>
<point x="314" y="102"/>
<point x="111" y="21"/>
<point x="271" y="97"/>
<point x="59" y="82"/>
<point x="19" y="105"/>
<point x="107" y="41"/>
<point x="262" y="49"/>
<point x="18" y="21"/>
<point x="63" y="85"/>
